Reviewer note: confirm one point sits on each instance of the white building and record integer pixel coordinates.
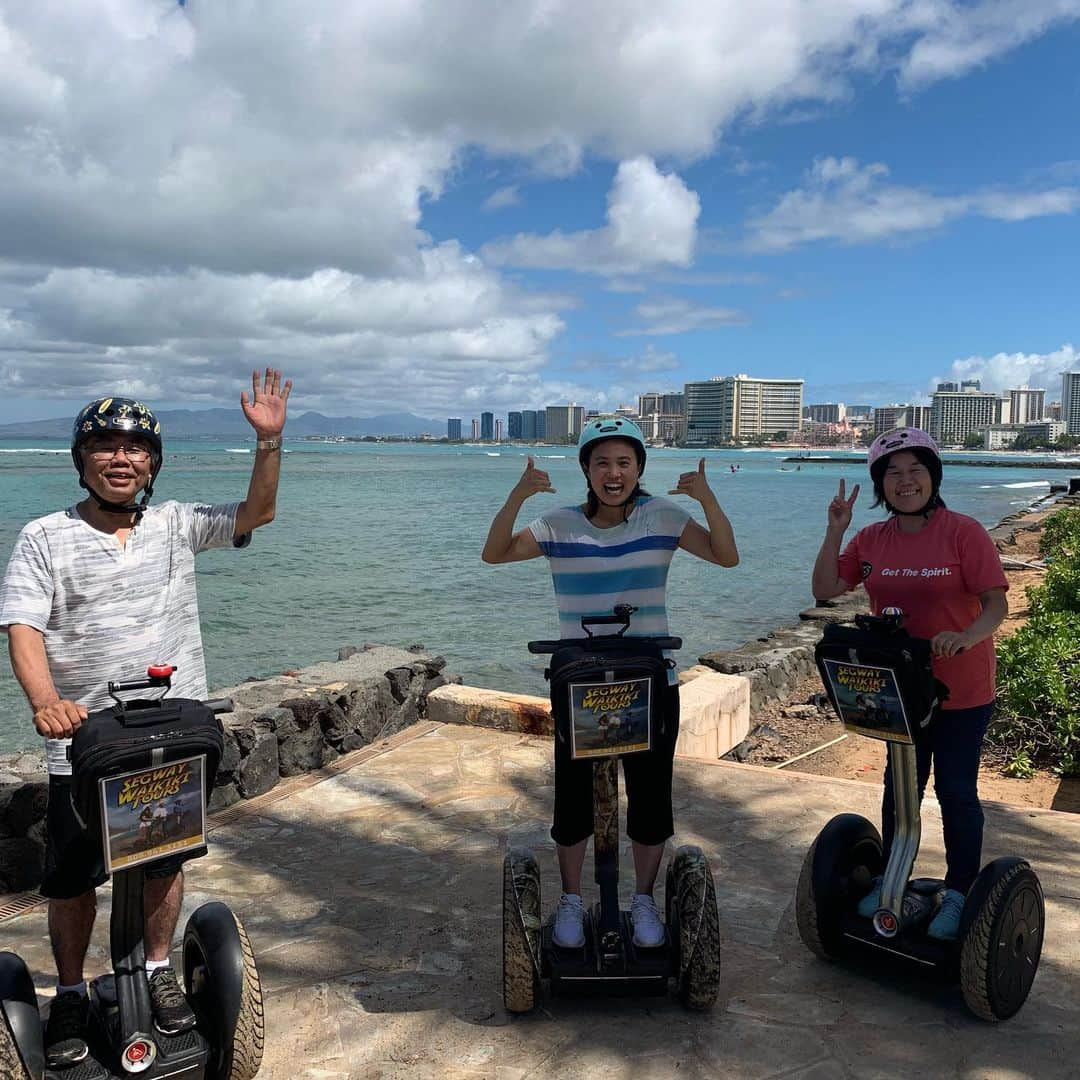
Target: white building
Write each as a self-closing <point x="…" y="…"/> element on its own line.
<point x="956" y="414"/>
<point x="733" y="407"/>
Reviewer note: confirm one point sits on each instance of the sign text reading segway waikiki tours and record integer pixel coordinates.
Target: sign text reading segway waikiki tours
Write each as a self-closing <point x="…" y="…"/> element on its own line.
<point x="868" y="700"/>
<point x="610" y="718"/>
<point x="150" y="813"/>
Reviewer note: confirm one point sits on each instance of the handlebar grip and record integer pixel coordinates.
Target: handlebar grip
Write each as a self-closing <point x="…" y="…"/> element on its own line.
<point x="544" y="646"/>
<point x="220" y="705"/>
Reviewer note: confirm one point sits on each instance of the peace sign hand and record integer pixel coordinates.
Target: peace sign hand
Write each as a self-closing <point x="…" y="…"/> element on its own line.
<point x="533" y="480"/>
<point x="693" y="484"/>
<point x="840" y="508"/>
<point x="265" y="412"/>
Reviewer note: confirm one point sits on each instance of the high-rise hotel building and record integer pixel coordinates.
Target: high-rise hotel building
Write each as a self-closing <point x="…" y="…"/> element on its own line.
<point x="955" y="414"/>
<point x="1070" y="402"/>
<point x="732" y="407"/>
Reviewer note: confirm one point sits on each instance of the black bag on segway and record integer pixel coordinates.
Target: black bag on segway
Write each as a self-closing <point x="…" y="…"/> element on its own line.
<point x="605" y="693"/>
<point x="138" y="756"/>
<point x="879" y="678"/>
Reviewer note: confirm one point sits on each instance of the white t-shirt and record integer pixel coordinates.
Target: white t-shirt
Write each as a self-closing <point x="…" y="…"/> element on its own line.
<point x="106" y="612"/>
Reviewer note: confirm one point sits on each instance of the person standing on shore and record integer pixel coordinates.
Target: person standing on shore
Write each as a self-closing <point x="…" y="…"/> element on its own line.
<point x="942" y="570"/>
<point x="615" y="548"/>
<point x="99" y="592"/>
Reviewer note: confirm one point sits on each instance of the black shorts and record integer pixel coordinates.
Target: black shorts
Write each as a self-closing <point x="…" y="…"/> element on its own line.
<point x="649" y="818"/>
<point x="73" y="863"/>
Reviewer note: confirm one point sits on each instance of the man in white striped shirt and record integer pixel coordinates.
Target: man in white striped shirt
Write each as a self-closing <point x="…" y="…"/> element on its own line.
<point x="614" y="549"/>
<point x="96" y="593"/>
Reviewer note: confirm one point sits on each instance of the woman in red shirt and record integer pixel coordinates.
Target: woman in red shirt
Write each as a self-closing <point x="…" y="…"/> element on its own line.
<point x="943" y="571"/>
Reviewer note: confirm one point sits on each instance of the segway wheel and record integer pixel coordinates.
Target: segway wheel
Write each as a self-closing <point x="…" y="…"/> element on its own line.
<point x="521" y="930"/>
<point x="22" y="1051"/>
<point x="224" y="990"/>
<point x="1002" y="943"/>
<point x="694" y="926"/>
<point x="836" y="874"/>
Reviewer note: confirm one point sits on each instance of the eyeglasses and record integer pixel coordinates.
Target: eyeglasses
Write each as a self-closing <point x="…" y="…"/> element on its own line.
<point x="132" y="451"/>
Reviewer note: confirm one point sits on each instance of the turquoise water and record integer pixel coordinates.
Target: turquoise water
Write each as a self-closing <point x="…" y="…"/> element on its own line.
<point x="382" y="543"/>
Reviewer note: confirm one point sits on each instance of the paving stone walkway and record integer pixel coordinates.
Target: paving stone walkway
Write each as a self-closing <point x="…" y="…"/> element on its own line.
<point x="372" y="897"/>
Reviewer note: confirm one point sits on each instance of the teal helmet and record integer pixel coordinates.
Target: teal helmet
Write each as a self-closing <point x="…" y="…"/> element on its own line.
<point x="125" y="415"/>
<point x="610" y="427"/>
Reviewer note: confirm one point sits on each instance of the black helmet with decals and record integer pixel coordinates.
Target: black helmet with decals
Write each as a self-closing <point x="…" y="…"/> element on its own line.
<point x="118" y="414"/>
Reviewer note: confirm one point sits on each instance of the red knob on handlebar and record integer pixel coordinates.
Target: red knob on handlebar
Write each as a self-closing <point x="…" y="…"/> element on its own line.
<point x="160" y="671"/>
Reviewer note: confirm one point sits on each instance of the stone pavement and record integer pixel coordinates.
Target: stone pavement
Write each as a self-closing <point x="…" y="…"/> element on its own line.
<point x="372" y="897"/>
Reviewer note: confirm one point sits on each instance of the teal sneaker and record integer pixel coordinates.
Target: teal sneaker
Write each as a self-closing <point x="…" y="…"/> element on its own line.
<point x="945" y="926"/>
<point x="872" y="900"/>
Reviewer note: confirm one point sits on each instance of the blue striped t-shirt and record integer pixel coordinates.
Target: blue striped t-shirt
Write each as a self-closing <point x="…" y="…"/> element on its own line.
<point x="594" y="569"/>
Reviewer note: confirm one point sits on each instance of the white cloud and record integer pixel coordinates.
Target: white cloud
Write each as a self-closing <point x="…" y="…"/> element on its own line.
<point x="673" y="315"/>
<point x="279" y="156"/>
<point x="426" y="340"/>
<point x="503" y="197"/>
<point x="951" y="38"/>
<point x="651" y="222"/>
<point x="852" y="203"/>
<point x="1007" y="371"/>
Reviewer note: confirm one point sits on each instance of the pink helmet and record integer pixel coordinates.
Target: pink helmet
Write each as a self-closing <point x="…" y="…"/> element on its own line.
<point x="905" y="438"/>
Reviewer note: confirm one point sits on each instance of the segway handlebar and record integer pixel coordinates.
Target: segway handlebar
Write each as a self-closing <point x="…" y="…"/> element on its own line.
<point x="220" y="705"/>
<point x="551" y="646"/>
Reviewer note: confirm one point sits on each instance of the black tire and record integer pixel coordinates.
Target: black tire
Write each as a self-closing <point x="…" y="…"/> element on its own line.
<point x="22" y="1050"/>
<point x="835" y="875"/>
<point x="694" y="927"/>
<point x="223" y="987"/>
<point x="521" y="930"/>
<point x="1002" y="944"/>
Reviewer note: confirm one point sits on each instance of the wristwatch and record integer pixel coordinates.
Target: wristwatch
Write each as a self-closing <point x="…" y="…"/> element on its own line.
<point x="268" y="444"/>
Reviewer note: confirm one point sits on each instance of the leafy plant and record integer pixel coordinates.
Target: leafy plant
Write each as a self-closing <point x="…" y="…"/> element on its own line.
<point x="1061" y="534"/>
<point x="1037" y="719"/>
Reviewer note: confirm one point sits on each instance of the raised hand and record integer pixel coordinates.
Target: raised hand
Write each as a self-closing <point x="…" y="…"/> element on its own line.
<point x="532" y="480"/>
<point x="265" y="411"/>
<point x="840" y="508"/>
<point x="693" y="484"/>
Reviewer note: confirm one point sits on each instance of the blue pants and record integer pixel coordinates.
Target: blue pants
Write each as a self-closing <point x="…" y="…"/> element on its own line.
<point x="953" y="746"/>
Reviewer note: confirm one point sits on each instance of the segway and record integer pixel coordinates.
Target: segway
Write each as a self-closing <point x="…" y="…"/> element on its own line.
<point x="132" y="755"/>
<point x="616" y="678"/>
<point x="879" y="680"/>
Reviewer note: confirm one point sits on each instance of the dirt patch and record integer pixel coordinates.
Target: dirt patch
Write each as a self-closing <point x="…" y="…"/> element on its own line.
<point x="782" y="731"/>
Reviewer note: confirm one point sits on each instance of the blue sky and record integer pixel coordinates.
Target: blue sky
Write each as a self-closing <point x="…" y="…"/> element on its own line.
<point x="535" y="202"/>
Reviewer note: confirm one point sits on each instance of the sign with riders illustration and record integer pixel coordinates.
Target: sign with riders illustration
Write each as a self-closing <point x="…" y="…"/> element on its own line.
<point x="610" y="718"/>
<point x="868" y="700"/>
<point x="151" y="813"/>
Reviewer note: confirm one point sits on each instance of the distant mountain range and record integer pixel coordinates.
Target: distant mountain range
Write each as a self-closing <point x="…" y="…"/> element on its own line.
<point x="216" y="423"/>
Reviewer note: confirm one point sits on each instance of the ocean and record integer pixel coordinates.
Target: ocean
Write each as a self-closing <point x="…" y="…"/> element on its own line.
<point x="379" y="542"/>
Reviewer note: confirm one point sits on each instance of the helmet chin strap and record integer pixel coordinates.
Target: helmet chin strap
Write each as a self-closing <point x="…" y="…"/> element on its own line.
<point x="138" y="509"/>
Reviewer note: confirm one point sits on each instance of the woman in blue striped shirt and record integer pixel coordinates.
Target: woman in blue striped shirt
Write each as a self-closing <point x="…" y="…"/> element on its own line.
<point x="614" y="549"/>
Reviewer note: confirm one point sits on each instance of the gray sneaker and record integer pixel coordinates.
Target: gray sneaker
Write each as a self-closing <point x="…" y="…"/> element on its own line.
<point x="569" y="931"/>
<point x="648" y="926"/>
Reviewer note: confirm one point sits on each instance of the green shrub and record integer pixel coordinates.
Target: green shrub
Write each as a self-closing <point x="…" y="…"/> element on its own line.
<point x="1060" y="588"/>
<point x="1061" y="534"/>
<point x="1037" y="718"/>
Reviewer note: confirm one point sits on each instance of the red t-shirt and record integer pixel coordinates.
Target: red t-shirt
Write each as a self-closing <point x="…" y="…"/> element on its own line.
<point x="935" y="577"/>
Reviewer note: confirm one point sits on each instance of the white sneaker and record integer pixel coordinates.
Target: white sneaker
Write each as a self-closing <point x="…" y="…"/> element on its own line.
<point x="648" y="926"/>
<point x="569" y="932"/>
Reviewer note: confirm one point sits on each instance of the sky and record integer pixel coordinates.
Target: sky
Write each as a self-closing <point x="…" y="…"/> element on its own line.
<point x="446" y="208"/>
